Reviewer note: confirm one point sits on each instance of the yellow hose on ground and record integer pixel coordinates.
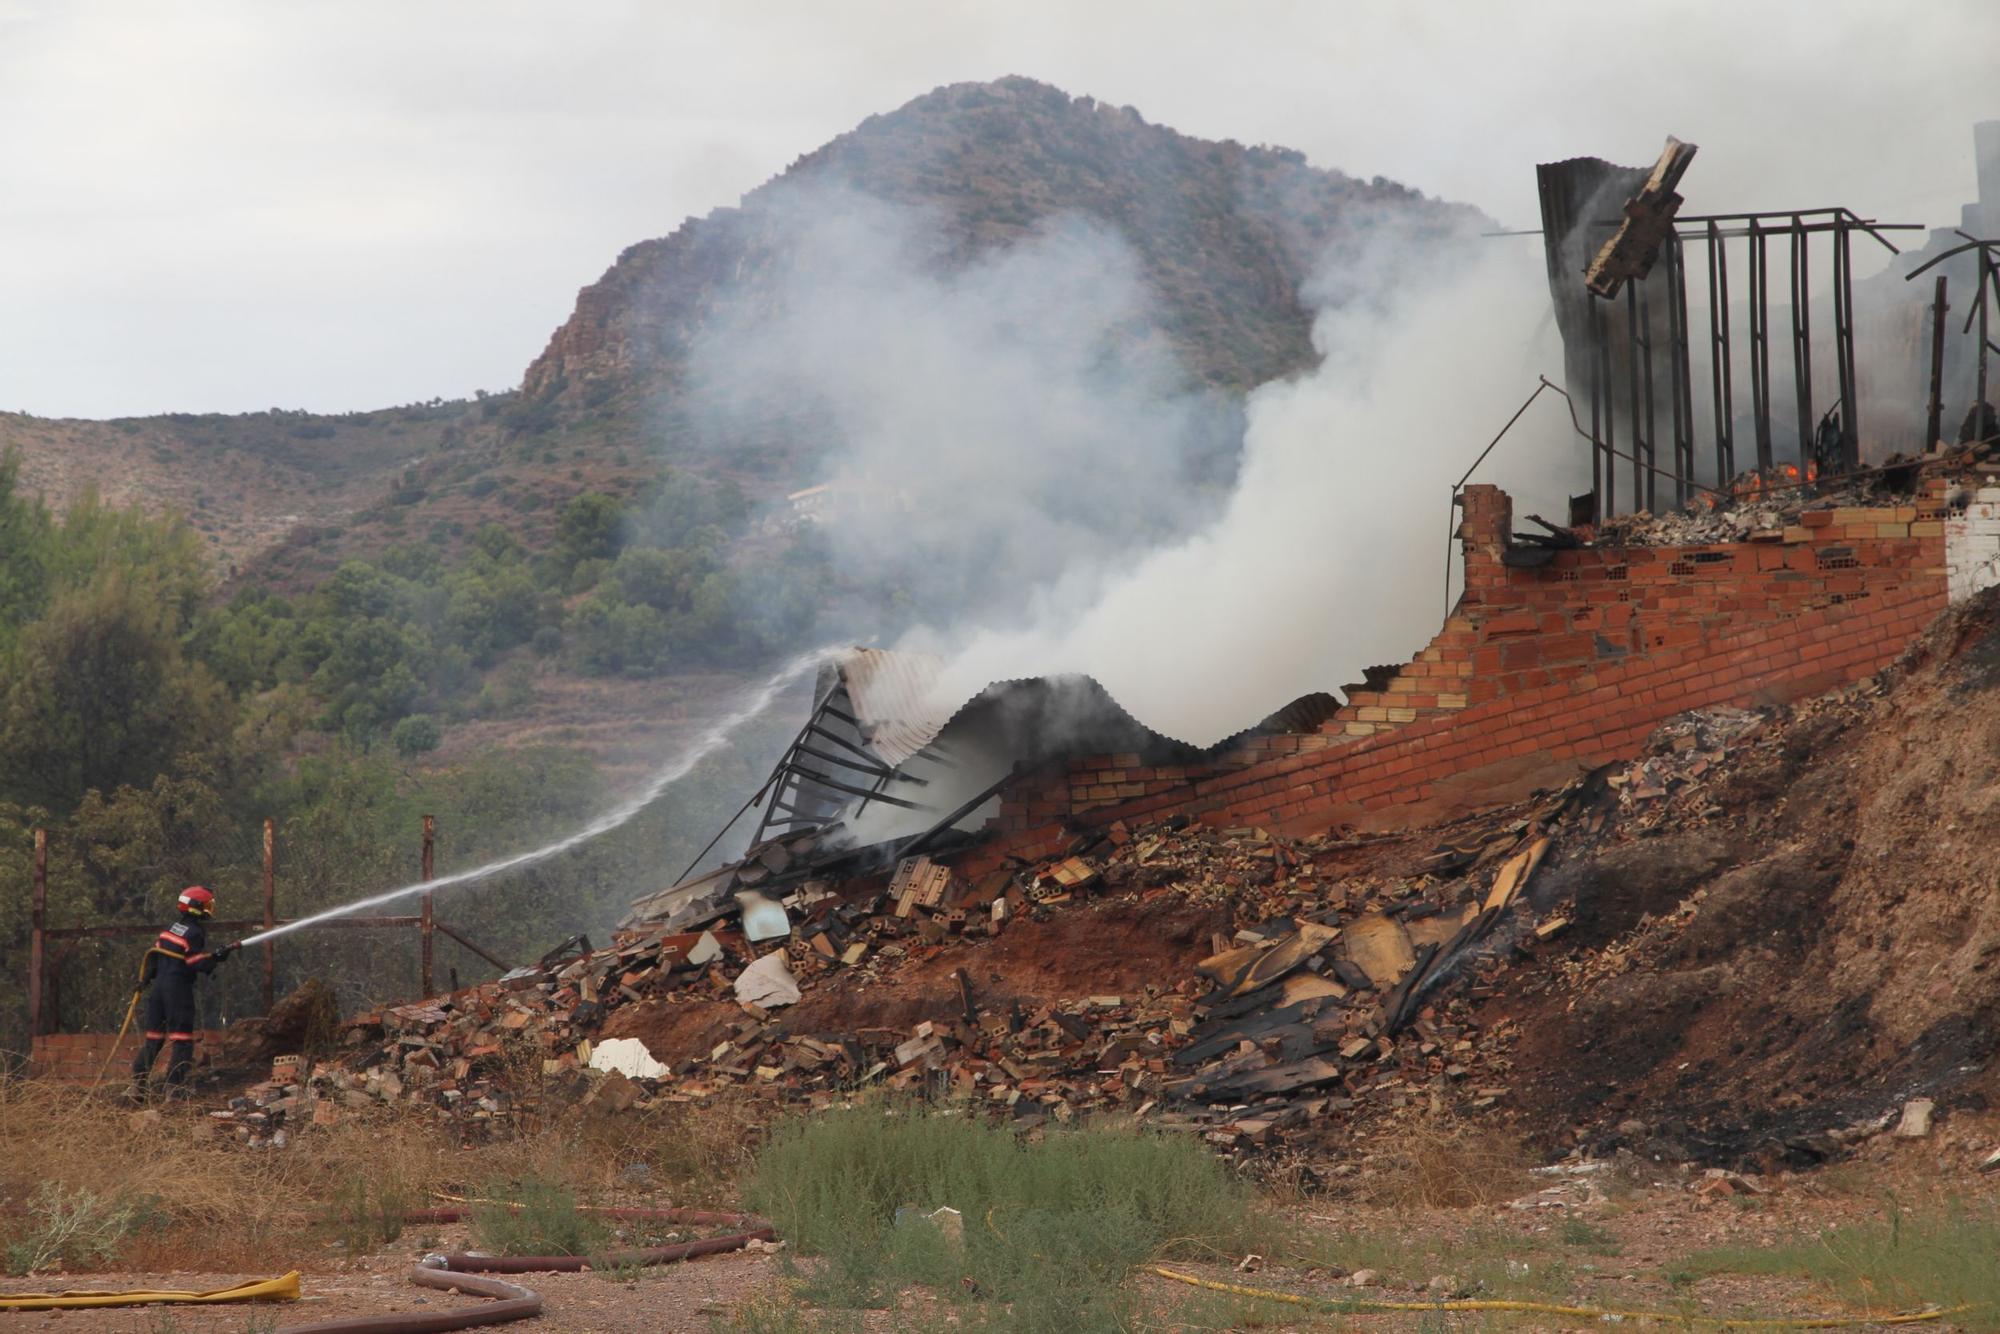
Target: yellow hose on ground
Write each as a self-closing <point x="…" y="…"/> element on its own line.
<point x="1347" y="1304"/>
<point x="285" y="1289"/>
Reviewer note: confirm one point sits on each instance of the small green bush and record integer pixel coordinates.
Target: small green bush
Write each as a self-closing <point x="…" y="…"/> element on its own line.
<point x="365" y="1213"/>
<point x="76" y="1229"/>
<point x="1589" y="1236"/>
<point x="1942" y="1257"/>
<point x="1051" y="1225"/>
<point x="532" y="1217"/>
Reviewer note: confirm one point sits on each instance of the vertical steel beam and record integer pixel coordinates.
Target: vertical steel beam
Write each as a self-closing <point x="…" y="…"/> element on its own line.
<point x="1986" y="275"/>
<point x="427" y="923"/>
<point x="1596" y="429"/>
<point x="1802" y="337"/>
<point x="1760" y="343"/>
<point x="1600" y="342"/>
<point x="38" y="923"/>
<point x="1718" y="354"/>
<point x="1681" y="374"/>
<point x="270" y="913"/>
<point x="1640" y="477"/>
<point x="1934" y="423"/>
<point x="1843" y="347"/>
<point x="1646" y="377"/>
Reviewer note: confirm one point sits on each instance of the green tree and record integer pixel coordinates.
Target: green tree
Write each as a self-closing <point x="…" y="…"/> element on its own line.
<point x="496" y="544"/>
<point x="662" y="580"/>
<point x="359" y="589"/>
<point x="373" y="676"/>
<point x="589" y="528"/>
<point x="162" y="558"/>
<point x="99" y="695"/>
<point x="24" y="542"/>
<point x="607" y="637"/>
<point x="246" y="643"/>
<point x="490" y="608"/>
<point x="415" y="735"/>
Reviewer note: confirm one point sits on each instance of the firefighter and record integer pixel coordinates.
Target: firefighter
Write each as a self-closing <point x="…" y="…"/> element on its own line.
<point x="180" y="955"/>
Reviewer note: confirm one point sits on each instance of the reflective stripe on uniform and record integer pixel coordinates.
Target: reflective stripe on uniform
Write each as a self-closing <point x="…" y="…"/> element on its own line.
<point x="152" y="1036"/>
<point x="180" y="1037"/>
<point x="196" y="958"/>
<point x="169" y="938"/>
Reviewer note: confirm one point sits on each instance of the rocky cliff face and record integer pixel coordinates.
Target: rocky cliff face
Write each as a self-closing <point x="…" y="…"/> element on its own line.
<point x="245" y="482"/>
<point x="1226" y="235"/>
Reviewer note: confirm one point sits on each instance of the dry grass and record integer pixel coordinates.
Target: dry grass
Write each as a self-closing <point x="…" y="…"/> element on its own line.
<point x="210" y="1202"/>
<point x="1440" y="1163"/>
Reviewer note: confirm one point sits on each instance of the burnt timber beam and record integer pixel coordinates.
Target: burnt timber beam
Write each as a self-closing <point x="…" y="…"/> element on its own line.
<point x="853" y="791"/>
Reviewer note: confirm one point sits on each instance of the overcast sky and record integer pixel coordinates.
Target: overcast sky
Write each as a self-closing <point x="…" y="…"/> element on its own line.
<point x="217" y="206"/>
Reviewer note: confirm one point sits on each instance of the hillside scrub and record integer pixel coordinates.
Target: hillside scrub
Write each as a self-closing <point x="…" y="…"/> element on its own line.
<point x="174" y="1197"/>
<point x="151" y="730"/>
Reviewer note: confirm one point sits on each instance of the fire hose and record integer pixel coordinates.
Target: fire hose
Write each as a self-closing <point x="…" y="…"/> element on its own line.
<point x="1370" y="1305"/>
<point x="282" y="1289"/>
<point x="510" y="1301"/>
<point x="754" y="1229"/>
<point x="456" y="1272"/>
<point x="138" y="993"/>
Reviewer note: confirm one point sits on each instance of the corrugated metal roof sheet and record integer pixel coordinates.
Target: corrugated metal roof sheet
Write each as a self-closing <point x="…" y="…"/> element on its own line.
<point x="891" y="694"/>
<point x="895" y="701"/>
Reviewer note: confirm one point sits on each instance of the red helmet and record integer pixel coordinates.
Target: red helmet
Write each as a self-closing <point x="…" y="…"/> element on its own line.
<point x="197" y="901"/>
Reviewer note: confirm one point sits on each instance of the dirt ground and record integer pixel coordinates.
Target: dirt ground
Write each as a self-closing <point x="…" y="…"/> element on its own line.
<point x="681" y="1297"/>
<point x="1617" y="1239"/>
<point x="1803" y="942"/>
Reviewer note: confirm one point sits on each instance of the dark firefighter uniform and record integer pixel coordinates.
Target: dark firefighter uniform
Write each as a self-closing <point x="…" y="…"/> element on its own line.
<point x="178" y="957"/>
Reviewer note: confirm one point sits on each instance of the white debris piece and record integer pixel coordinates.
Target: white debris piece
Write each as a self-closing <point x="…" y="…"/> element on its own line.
<point x="762" y="919"/>
<point x="629" y="1057"/>
<point x="768" y="983"/>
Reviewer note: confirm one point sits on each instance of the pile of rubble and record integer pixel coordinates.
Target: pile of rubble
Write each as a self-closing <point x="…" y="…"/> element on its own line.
<point x="1699" y="526"/>
<point x="1342" y="985"/>
<point x="1770" y="512"/>
<point x="1334" y="996"/>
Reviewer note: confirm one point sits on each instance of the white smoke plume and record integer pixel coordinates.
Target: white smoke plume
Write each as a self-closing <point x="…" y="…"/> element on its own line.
<point x="989" y="427"/>
<point x="1021" y="423"/>
<point x="1332" y="552"/>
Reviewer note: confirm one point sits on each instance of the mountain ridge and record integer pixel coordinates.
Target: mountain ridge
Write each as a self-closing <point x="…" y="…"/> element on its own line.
<point x="1226" y="234"/>
<point x="1226" y="237"/>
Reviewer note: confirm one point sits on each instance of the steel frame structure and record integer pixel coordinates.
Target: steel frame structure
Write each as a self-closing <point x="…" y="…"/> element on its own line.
<point x="1627" y="366"/>
<point x="1988" y="283"/>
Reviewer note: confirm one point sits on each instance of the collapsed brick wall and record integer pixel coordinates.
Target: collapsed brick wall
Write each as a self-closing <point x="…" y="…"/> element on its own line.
<point x="1573" y="661"/>
<point x="77" y="1058"/>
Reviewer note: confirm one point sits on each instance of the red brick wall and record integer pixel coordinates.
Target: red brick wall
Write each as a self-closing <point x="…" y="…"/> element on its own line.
<point x="1578" y="660"/>
<point x="76" y="1058"/>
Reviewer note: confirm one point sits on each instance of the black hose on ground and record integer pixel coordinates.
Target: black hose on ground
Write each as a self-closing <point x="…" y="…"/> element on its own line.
<point x="510" y="1301"/>
<point x="513" y="1302"/>
<point x="571" y="1264"/>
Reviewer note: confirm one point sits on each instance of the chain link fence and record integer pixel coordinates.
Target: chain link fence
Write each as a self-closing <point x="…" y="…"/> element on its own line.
<point x="94" y="910"/>
<point x="112" y="868"/>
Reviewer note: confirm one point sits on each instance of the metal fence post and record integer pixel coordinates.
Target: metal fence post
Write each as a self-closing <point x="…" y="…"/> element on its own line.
<point x="1934" y="423"/>
<point x="270" y="913"/>
<point x="38" y="913"/>
<point x="427" y="924"/>
<point x="1986" y="273"/>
